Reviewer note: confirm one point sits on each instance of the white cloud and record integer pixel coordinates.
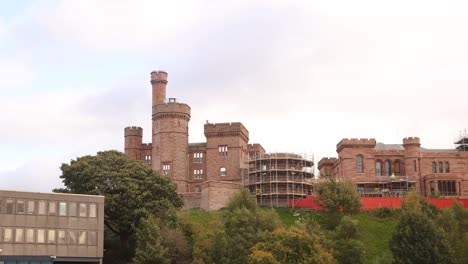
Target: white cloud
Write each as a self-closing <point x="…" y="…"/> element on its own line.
<point x="14" y="73"/>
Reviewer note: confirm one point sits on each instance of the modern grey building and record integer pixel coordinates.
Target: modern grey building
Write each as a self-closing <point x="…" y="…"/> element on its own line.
<point x="45" y="228"/>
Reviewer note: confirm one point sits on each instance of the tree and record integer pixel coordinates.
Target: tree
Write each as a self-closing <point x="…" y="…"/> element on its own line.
<point x="337" y="198"/>
<point x="347" y="248"/>
<point x="418" y="240"/>
<point x="292" y="245"/>
<point x="149" y="248"/>
<point x="133" y="190"/>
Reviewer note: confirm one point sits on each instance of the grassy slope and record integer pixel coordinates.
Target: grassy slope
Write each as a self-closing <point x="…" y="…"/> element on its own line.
<point x="375" y="232"/>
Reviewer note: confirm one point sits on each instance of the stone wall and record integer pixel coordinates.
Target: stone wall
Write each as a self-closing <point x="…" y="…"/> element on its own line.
<point x="216" y="194"/>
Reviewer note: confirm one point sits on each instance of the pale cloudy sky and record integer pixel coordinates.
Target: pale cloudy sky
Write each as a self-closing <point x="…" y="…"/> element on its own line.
<point x="300" y="75"/>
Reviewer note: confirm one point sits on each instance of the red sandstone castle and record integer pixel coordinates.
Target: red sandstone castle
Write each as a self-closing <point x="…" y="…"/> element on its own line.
<point x="208" y="173"/>
<point x="393" y="169"/>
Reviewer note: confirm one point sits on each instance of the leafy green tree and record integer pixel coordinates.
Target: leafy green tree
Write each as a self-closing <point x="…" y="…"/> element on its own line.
<point x="149" y="248"/>
<point x="337" y="198"/>
<point x="347" y="249"/>
<point x="133" y="191"/>
<point x="418" y="240"/>
<point x="292" y="245"/>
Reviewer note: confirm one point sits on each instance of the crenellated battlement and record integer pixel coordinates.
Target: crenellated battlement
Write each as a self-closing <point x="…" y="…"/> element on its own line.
<point x="172" y="109"/>
<point x="158" y="77"/>
<point x="133" y="131"/>
<point x="226" y="129"/>
<point x="327" y="161"/>
<point x="356" y="142"/>
<point x="411" y="141"/>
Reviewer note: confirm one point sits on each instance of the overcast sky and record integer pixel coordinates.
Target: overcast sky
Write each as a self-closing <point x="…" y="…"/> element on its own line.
<point x="300" y="75"/>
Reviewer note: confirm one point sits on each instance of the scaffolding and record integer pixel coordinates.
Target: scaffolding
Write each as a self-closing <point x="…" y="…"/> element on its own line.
<point x="461" y="143"/>
<point x="277" y="178"/>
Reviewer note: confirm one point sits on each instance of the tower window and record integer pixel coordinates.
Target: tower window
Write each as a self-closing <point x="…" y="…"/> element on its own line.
<point x="441" y="167"/>
<point x="434" y="167"/>
<point x="223" y="150"/>
<point x="148" y="159"/>
<point x="198" y="174"/>
<point x="198" y="157"/>
<point x="166" y="168"/>
<point x="359" y="164"/>
<point x="446" y="167"/>
<point x="222" y="171"/>
<point x="414" y="165"/>
<point x="378" y="168"/>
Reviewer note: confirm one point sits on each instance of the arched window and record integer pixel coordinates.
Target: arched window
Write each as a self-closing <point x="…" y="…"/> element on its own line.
<point x="378" y="168"/>
<point x="441" y="167"/>
<point x="396" y="168"/>
<point x="434" y="167"/>
<point x="388" y="169"/>
<point x="222" y="171"/>
<point x="446" y="166"/>
<point x="359" y="164"/>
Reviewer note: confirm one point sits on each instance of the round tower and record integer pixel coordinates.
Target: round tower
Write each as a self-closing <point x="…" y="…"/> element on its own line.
<point x="159" y="82"/>
<point x="170" y="134"/>
<point x="412" y="147"/>
<point x="133" y="141"/>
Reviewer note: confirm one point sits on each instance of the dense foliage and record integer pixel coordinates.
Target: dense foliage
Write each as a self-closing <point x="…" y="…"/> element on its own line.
<point x="132" y="190"/>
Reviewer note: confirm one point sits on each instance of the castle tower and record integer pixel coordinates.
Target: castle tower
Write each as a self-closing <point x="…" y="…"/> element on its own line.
<point x="170" y="133"/>
<point x="412" y="148"/>
<point x="158" y="83"/>
<point x="133" y="141"/>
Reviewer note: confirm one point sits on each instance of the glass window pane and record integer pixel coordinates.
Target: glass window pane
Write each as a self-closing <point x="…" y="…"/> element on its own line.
<point x="40" y="236"/>
<point x="19" y="235"/>
<point x="31" y="207"/>
<point x="61" y="237"/>
<point x="29" y="235"/>
<point x="92" y="210"/>
<point x="20" y="207"/>
<point x="82" y="238"/>
<point x="1" y="207"/>
<point x="52" y="208"/>
<point x="41" y="208"/>
<point x="72" y="209"/>
<point x="7" y="235"/>
<point x="71" y="237"/>
<point x="9" y="206"/>
<point x="51" y="236"/>
<point x="92" y="238"/>
<point x="83" y="210"/>
<point x="63" y="209"/>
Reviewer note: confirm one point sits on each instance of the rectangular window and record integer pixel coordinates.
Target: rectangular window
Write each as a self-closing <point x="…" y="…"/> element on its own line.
<point x="83" y="210"/>
<point x="20" y="207"/>
<point x="61" y="237"/>
<point x="29" y="235"/>
<point x="82" y="237"/>
<point x="40" y="236"/>
<point x="41" y="207"/>
<point x="441" y="167"/>
<point x="92" y="210"/>
<point x="19" y="235"/>
<point x="1" y="207"/>
<point x="446" y="167"/>
<point x="31" y="208"/>
<point x="414" y="165"/>
<point x="63" y="209"/>
<point x="148" y="159"/>
<point x="51" y="236"/>
<point x="52" y="208"/>
<point x="223" y="150"/>
<point x="72" y="209"/>
<point x="197" y="189"/>
<point x="7" y="235"/>
<point x="9" y="206"/>
<point x="166" y="169"/>
<point x="72" y="237"/>
<point x="222" y="171"/>
<point x="92" y="239"/>
<point x="198" y="174"/>
<point x="198" y="157"/>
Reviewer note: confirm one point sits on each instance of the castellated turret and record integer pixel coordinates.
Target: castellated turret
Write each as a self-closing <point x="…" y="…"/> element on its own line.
<point x="170" y="133"/>
<point x="133" y="141"/>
